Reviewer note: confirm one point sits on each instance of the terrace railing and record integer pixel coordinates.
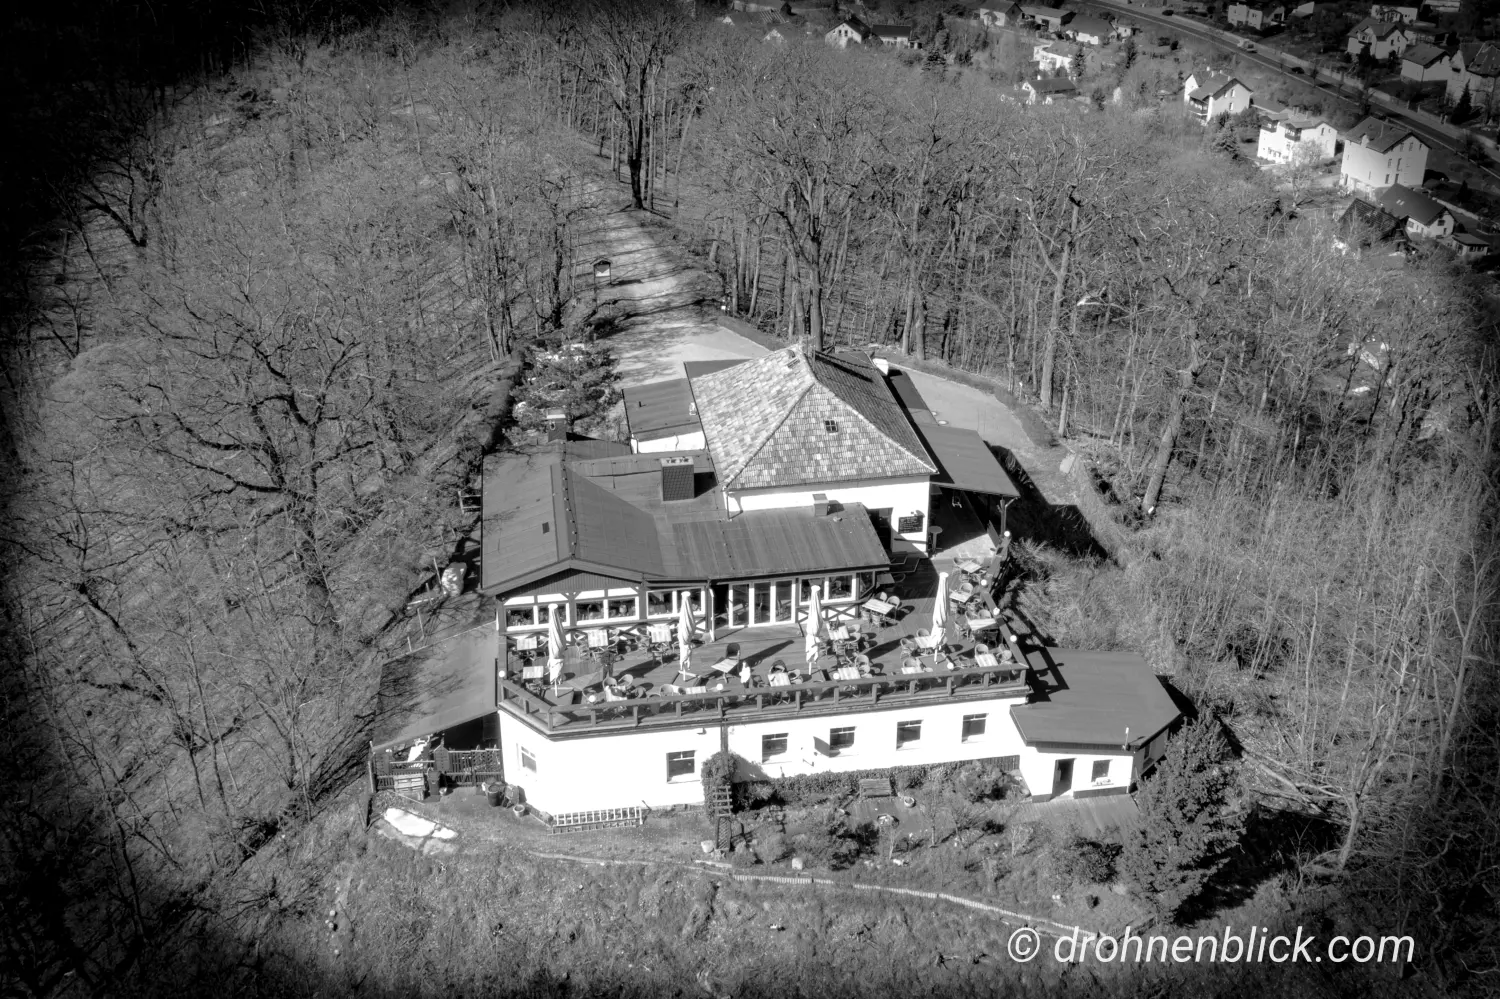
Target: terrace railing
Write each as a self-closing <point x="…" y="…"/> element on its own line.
<point x="842" y="695"/>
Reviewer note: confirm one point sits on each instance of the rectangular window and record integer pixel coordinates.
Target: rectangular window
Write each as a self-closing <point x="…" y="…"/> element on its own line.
<point x="739" y="605"/>
<point x="1387" y="178"/>
<point x="520" y="617"/>
<point x="840" y="588"/>
<point x="908" y="732"/>
<point x="974" y="727"/>
<point x="761" y="609"/>
<point x="808" y="582"/>
<point x="694" y="599"/>
<point x="528" y="762"/>
<point x="1101" y="770"/>
<point x="589" y="610"/>
<point x="840" y="738"/>
<point x="659" y="603"/>
<point x="772" y="746"/>
<point x="622" y="607"/>
<point x="680" y="765"/>
<point x="784" y="600"/>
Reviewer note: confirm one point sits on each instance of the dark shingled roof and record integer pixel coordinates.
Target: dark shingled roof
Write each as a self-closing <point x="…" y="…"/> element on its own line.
<point x="765" y="422"/>
<point x="1367" y="222"/>
<point x="1053" y="85"/>
<point x="441" y="686"/>
<point x="1089" y="25"/>
<point x="1423" y="55"/>
<point x="561" y="508"/>
<point x="1383" y="135"/>
<point x="891" y="30"/>
<point x="967" y="461"/>
<point x="1090" y="698"/>
<point x="1404" y="203"/>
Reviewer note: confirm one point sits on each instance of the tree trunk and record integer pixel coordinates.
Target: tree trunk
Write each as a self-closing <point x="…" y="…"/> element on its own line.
<point x="1187" y="378"/>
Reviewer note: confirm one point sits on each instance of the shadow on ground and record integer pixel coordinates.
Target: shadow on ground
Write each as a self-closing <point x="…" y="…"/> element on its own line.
<point x="1031" y="518"/>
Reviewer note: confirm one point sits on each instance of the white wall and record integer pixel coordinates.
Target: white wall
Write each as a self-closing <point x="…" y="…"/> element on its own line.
<point x="1366" y="169"/>
<point x="630" y="768"/>
<point x="1277" y="147"/>
<point x="691" y="441"/>
<point x="903" y="496"/>
<point x="1040" y="768"/>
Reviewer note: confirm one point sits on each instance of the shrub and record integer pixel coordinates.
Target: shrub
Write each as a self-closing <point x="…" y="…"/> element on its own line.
<point x="1086" y="861"/>
<point x="981" y="781"/>
<point x="772" y="847"/>
<point x="717" y="772"/>
<point x="852" y="843"/>
<point x="819" y="788"/>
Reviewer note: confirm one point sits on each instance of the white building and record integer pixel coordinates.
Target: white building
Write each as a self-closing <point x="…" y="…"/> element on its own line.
<point x="1209" y="94"/>
<point x="1378" y="154"/>
<point x="1423" y="216"/>
<point x="1284" y="139"/>
<point x="850" y="31"/>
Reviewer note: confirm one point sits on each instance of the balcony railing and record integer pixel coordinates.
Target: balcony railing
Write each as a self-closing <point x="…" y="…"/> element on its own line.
<point x="743" y="704"/>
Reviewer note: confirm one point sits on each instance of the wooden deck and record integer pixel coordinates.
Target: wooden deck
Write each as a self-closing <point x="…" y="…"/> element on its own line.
<point x="655" y="702"/>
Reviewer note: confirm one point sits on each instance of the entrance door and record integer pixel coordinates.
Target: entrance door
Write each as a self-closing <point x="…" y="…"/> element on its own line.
<point x="1062" y="778"/>
<point x="881" y="521"/>
<point x="721" y="605"/>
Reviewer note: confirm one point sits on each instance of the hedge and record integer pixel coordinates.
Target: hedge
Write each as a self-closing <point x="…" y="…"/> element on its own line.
<point x="808" y="789"/>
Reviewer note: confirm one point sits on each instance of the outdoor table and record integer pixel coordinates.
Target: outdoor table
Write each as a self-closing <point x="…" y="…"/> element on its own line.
<point x="661" y="634"/>
<point x="913" y="669"/>
<point x="726" y="665"/>
<point x="528" y="643"/>
<point x="695" y="690"/>
<point x="840" y="633"/>
<point x="983" y="623"/>
<point x="533" y="672"/>
<point x="987" y="659"/>
<point x="970" y="566"/>
<point x="780" y="680"/>
<point x="846" y="673"/>
<point x="929" y="642"/>
<point x="885" y="608"/>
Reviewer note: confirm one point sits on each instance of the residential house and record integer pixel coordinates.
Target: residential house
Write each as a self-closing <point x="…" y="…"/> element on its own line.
<point x="1046" y="18"/>
<point x="1209" y="94"/>
<point x="1380" y="153"/>
<point x="1364" y="225"/>
<point x="817" y="468"/>
<point x="1256" y="15"/>
<point x="1379" y="39"/>
<point x="1049" y="89"/>
<point x="774" y="37"/>
<point x="1303" y="9"/>
<point x="895" y="36"/>
<point x="849" y="31"/>
<point x="1476" y="66"/>
<point x="1468" y="245"/>
<point x="1125" y="29"/>
<point x="1049" y="61"/>
<point x="1426" y="63"/>
<point x="995" y="14"/>
<point x="1089" y="30"/>
<point x="1402" y="15"/>
<point x="1288" y="136"/>
<point x="1423" y="216"/>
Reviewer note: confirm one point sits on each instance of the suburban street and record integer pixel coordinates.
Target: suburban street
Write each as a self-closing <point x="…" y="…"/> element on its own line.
<point x="1445" y="136"/>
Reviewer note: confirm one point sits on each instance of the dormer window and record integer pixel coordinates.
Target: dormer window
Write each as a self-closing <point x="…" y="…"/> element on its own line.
<point x="831" y="426"/>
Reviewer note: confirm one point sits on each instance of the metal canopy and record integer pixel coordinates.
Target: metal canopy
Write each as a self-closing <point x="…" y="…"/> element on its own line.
<point x="438" y="688"/>
<point x="967" y="462"/>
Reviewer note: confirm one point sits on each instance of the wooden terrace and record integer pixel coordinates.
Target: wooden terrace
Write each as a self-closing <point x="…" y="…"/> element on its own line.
<point x="657" y="695"/>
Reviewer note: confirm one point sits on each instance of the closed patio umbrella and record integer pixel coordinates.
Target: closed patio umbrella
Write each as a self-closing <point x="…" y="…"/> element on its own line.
<point x="687" y="627"/>
<point x="940" y="611"/>
<point x="554" y="646"/>
<point x="816" y="627"/>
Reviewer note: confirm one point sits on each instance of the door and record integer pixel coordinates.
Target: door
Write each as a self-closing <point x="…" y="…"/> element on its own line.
<point x="721" y="605"/>
<point x="881" y="521"/>
<point x="1062" y="779"/>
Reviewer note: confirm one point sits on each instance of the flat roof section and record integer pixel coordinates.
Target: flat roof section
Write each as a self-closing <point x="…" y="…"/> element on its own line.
<point x="437" y="688"/>
<point x="660" y="409"/>
<point x="966" y="461"/>
<point x="1091" y="698"/>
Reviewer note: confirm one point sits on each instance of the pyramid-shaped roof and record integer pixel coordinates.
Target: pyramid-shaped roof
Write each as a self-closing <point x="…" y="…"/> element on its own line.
<point x="796" y="417"/>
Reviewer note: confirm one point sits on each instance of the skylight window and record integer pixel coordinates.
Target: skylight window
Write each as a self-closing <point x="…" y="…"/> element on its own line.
<point x="831" y="426"/>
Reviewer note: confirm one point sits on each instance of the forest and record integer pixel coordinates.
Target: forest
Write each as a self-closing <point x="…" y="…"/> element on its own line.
<point x="271" y="274"/>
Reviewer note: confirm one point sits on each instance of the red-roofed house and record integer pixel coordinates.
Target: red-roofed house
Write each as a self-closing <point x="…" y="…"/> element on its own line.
<point x="1209" y="94"/>
<point x="1381" y="39"/>
<point x="1423" y="216"/>
<point x="1378" y="154"/>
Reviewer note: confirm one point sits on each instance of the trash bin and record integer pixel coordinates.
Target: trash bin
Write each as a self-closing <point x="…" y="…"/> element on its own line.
<point x="495" y="792"/>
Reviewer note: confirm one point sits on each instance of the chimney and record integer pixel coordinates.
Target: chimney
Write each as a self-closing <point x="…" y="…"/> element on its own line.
<point x="820" y="504"/>
<point x="677" y="477"/>
<point x="557" y="425"/>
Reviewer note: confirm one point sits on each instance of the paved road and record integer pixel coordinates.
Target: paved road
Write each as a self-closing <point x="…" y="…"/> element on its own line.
<point x="1444" y="136"/>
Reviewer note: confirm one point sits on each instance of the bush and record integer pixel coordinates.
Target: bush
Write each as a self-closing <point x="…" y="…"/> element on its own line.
<point x="772" y="847"/>
<point x="820" y="788"/>
<point x="1086" y="861"/>
<point x="981" y="781"/>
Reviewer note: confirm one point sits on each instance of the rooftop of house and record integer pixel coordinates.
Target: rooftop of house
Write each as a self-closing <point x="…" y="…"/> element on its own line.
<point x="793" y="417"/>
<point x="1404" y="203"/>
<point x="1378" y="29"/>
<point x="1214" y="86"/>
<point x="1053" y="85"/>
<point x="855" y="25"/>
<point x="1481" y="58"/>
<point x="1423" y="55"/>
<point x="593" y="506"/>
<point x="1381" y="136"/>
<point x="1369" y="223"/>
<point x="1268" y="105"/>
<point x="1092" y="699"/>
<point x="1035" y="10"/>
<point x="1089" y="25"/>
<point x="891" y="30"/>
